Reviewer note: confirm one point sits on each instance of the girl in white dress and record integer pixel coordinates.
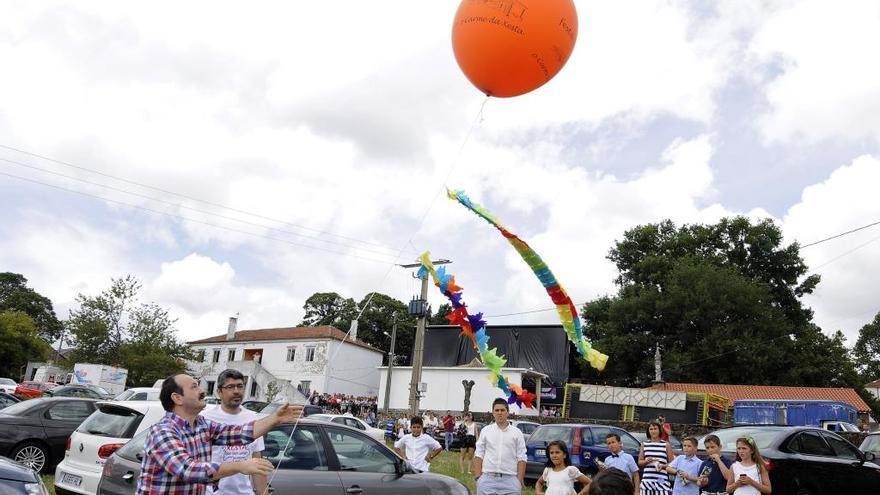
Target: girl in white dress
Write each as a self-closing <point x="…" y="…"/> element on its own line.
<point x="559" y="475"/>
<point x="748" y="475"/>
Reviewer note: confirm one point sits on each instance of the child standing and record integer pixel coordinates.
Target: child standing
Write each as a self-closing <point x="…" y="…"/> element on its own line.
<point x="559" y="475"/>
<point x="748" y="474"/>
<point x="618" y="459"/>
<point x="686" y="469"/>
<point x="418" y="448"/>
<point x="715" y="470"/>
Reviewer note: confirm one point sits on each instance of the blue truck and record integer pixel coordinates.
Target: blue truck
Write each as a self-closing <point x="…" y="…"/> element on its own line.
<point x="828" y="414"/>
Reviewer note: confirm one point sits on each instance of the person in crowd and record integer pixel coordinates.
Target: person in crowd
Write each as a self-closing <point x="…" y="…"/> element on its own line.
<point x="686" y="469"/>
<point x="431" y="422"/>
<point x="612" y="482"/>
<point x="665" y="428"/>
<point x="654" y="454"/>
<point x="500" y="456"/>
<point x="749" y="473"/>
<point x="618" y="459"/>
<point x="390" y="430"/>
<point x="177" y="451"/>
<point x="559" y="475"/>
<point x="448" y="428"/>
<point x="230" y="390"/>
<point x="470" y="432"/>
<point x="417" y="447"/>
<point x="402" y="426"/>
<point x="715" y="470"/>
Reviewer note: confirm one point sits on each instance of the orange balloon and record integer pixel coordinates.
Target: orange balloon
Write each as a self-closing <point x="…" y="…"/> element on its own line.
<point x="510" y="47"/>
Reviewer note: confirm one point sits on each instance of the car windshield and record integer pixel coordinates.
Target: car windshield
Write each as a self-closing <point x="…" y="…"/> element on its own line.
<point x="871" y="444"/>
<point x="6" y="381"/>
<point x="21" y="408"/>
<point x="763" y="437"/>
<point x="124" y="395"/>
<point x="108" y="421"/>
<point x="548" y="433"/>
<point x="100" y="390"/>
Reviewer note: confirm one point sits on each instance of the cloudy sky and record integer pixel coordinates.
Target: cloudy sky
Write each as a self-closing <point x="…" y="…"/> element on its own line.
<point x="238" y="159"/>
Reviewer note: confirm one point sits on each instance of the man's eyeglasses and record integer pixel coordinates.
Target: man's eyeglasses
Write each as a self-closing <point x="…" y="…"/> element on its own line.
<point x="235" y="386"/>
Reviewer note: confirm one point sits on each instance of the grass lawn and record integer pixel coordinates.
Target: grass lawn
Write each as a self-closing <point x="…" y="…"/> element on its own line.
<point x="49" y="481"/>
<point x="447" y="463"/>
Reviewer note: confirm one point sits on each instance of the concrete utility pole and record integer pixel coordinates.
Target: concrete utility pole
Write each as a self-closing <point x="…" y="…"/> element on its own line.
<point x="390" y="361"/>
<point x="419" y="344"/>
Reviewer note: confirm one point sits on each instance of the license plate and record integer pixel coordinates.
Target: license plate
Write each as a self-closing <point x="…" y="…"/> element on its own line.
<point x="540" y="452"/>
<point x="71" y="479"/>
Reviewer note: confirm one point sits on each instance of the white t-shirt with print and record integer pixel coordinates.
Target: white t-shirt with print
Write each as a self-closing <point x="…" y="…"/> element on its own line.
<point x="237" y="483"/>
<point x="417" y="448"/>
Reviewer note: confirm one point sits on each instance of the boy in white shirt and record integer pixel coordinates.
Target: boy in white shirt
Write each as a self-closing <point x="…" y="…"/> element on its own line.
<point x="419" y="448"/>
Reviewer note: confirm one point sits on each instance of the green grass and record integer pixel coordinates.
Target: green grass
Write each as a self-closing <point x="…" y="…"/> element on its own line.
<point x="447" y="463"/>
<point x="49" y="481"/>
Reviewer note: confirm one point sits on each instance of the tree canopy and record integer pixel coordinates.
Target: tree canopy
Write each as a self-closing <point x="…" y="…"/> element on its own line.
<point x="15" y="295"/>
<point x="20" y="342"/>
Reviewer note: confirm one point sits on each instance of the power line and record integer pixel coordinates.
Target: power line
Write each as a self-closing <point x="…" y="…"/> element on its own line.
<point x="191" y="198"/>
<point x="197" y="210"/>
<point x="820" y="241"/>
<point x="181" y="217"/>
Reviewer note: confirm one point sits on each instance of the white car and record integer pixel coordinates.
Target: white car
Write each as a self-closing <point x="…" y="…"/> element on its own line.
<point x="139" y="393"/>
<point x="376" y="433"/>
<point x="8" y="385"/>
<point x="106" y="430"/>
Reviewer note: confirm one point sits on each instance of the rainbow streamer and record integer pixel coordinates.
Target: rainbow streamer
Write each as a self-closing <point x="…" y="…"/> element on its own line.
<point x="564" y="306"/>
<point x="474" y="327"/>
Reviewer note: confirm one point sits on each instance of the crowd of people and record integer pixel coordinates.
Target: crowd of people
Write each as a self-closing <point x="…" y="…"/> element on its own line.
<point x="360" y="406"/>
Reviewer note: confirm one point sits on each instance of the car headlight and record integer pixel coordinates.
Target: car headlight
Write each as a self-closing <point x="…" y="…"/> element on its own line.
<point x="37" y="488"/>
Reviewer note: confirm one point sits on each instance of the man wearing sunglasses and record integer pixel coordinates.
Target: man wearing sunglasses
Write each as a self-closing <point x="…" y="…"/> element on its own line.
<point x="230" y="390"/>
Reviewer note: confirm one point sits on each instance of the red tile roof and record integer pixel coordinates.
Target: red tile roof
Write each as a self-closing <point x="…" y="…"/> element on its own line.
<point x="735" y="392"/>
<point x="291" y="333"/>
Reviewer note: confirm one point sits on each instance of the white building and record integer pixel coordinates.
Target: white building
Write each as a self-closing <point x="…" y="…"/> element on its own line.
<point x="292" y="358"/>
<point x="445" y="391"/>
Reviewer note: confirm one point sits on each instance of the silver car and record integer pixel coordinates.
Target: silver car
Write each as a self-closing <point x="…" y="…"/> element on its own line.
<point x="320" y="459"/>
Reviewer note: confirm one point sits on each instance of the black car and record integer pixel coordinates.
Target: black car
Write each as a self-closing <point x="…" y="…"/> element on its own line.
<point x="8" y="400"/>
<point x="807" y="461"/>
<point x="314" y="457"/>
<point x="35" y="432"/>
<point x="17" y="479"/>
<point x="84" y="391"/>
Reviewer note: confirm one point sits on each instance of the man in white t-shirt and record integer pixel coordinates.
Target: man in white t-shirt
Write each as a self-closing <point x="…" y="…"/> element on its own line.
<point x="230" y="389"/>
<point x="418" y="448"/>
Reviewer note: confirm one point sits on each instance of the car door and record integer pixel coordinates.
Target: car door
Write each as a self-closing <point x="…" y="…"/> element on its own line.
<point x="61" y="418"/>
<point x="812" y="464"/>
<point x="850" y="468"/>
<point x="367" y="467"/>
<point x="300" y="453"/>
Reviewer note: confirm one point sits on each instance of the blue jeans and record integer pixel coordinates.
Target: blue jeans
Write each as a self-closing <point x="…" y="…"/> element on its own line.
<point x="448" y="439"/>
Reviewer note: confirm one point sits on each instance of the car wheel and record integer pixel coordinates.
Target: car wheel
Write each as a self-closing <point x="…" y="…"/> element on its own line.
<point x="32" y="455"/>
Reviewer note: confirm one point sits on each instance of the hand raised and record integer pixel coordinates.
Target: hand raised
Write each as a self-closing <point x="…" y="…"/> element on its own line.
<point x="256" y="465"/>
<point x="288" y="413"/>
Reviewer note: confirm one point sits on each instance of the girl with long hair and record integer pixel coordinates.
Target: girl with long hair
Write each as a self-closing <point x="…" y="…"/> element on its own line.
<point x="468" y="442"/>
<point x="654" y="454"/>
<point x="749" y="474"/>
<point x="559" y="475"/>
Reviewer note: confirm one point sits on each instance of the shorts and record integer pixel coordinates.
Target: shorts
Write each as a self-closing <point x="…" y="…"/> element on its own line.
<point x="469" y="442"/>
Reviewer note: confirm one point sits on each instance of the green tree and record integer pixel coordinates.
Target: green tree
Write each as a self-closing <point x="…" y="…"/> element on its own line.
<point x="20" y="342"/>
<point x="439" y="318"/>
<point x="329" y="308"/>
<point x="115" y="328"/>
<point x="867" y="350"/>
<point x="723" y="303"/>
<point x="377" y="319"/>
<point x="15" y="295"/>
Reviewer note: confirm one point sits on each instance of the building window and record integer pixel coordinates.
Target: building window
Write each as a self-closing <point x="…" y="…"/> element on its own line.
<point x="210" y="388"/>
<point x="291" y="353"/>
<point x="216" y="358"/>
<point x="254" y="388"/>
<point x="231" y="355"/>
<point x="200" y="356"/>
<point x="310" y="353"/>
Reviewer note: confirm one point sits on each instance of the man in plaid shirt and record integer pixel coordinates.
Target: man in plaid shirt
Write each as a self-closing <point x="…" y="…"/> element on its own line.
<point x="177" y="453"/>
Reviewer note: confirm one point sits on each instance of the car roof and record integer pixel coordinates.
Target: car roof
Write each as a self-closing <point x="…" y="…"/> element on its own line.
<point x="143" y="389"/>
<point x="141" y="406"/>
<point x="583" y="425"/>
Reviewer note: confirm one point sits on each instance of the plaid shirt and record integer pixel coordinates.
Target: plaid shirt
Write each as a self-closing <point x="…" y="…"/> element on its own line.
<point x="177" y="454"/>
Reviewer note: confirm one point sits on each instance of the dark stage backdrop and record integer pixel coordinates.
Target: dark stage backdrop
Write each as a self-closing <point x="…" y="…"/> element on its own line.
<point x="543" y="348"/>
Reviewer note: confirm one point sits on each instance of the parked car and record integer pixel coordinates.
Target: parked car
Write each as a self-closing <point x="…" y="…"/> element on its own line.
<point x="8" y="400"/>
<point x="674" y="442"/>
<point x="16" y="479"/>
<point x="585" y="442"/>
<point x="106" y="430"/>
<point x="526" y="427"/>
<point x="139" y="393"/>
<point x="31" y="390"/>
<point x="308" y="409"/>
<point x="34" y="432"/>
<point x="87" y="391"/>
<point x="440" y="435"/>
<point x="254" y="405"/>
<point x="358" y="423"/>
<point x="840" y="426"/>
<point x="8" y="385"/>
<point x="320" y="458"/>
<point x="806" y="460"/>
<point x="871" y="443"/>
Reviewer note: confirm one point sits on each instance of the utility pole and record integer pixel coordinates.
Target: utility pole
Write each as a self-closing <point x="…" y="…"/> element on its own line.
<point x="390" y="361"/>
<point x="419" y="308"/>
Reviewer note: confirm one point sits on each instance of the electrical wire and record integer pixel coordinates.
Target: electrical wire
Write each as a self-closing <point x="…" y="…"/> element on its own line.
<point x="820" y="241"/>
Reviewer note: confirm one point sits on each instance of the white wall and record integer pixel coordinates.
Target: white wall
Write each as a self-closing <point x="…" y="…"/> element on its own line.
<point x="353" y="370"/>
<point x="445" y="391"/>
